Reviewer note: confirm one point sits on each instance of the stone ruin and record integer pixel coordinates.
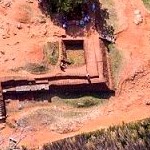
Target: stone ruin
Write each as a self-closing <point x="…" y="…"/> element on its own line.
<point x="94" y="74"/>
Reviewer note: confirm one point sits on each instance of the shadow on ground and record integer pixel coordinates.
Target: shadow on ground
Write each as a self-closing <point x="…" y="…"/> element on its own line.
<point x="98" y="21"/>
<point x="48" y="95"/>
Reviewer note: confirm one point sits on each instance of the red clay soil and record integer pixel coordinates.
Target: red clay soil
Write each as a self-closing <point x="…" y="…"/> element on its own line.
<point x="134" y="82"/>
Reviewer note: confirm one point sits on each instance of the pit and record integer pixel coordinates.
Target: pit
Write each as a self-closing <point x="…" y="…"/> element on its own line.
<point x="73" y="52"/>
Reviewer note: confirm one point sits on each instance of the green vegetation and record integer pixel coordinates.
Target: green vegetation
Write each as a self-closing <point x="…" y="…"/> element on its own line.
<point x="76" y="57"/>
<point x="128" y="137"/>
<point x="62" y="6"/>
<point x="116" y="61"/>
<point x="51" y="50"/>
<point x="147" y="3"/>
<point x="112" y="19"/>
<point x="35" y="68"/>
<point x="84" y="102"/>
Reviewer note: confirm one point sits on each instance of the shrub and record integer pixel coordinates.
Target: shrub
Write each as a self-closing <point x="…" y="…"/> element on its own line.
<point x="84" y="102"/>
<point x="60" y="6"/>
<point x="51" y="50"/>
<point x="127" y="137"/>
<point x="116" y="61"/>
<point x="147" y="3"/>
<point x="36" y="68"/>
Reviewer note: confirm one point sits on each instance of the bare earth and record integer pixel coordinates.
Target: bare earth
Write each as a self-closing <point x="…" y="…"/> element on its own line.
<point x="20" y="46"/>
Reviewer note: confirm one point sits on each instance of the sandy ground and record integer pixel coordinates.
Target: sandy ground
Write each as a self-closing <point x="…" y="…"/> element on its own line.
<point x="133" y="42"/>
<point x="24" y="31"/>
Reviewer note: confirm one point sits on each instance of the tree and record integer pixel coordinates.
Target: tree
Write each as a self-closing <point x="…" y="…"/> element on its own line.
<point x="61" y="6"/>
<point x="68" y="5"/>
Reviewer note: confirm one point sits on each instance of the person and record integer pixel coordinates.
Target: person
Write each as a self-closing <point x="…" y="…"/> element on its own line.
<point x="86" y="18"/>
<point x="82" y="23"/>
<point x="63" y="64"/>
<point x="88" y="77"/>
<point x="93" y="7"/>
<point x="64" y="25"/>
<point x="64" y="22"/>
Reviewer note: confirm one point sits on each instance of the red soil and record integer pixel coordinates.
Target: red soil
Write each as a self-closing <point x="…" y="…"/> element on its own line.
<point x="24" y="45"/>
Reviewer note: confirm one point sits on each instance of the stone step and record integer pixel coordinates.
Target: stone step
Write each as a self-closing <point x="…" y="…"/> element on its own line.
<point x="2" y="117"/>
<point x="2" y="106"/>
<point x="2" y="110"/>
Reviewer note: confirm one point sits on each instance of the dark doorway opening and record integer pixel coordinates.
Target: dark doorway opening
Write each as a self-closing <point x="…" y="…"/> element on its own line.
<point x="73" y="44"/>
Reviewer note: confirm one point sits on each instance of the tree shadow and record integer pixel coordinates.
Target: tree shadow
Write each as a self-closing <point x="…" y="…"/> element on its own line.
<point x="98" y="20"/>
<point x="101" y="17"/>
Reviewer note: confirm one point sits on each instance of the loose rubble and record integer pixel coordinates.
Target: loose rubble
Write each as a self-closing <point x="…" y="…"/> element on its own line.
<point x="138" y="18"/>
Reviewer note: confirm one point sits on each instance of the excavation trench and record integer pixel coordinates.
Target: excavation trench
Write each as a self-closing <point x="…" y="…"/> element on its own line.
<point x="89" y="73"/>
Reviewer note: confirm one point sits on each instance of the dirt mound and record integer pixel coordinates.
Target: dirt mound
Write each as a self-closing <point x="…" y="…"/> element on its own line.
<point x="21" y="12"/>
<point x="133" y="93"/>
<point x="138" y="80"/>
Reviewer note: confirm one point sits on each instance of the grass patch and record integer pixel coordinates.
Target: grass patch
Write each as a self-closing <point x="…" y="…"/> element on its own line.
<point x="76" y="57"/>
<point x="84" y="102"/>
<point x="82" y="99"/>
<point x="51" y="50"/>
<point x="116" y="61"/>
<point x="35" y="68"/>
<point x="147" y="3"/>
<point x="112" y="19"/>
